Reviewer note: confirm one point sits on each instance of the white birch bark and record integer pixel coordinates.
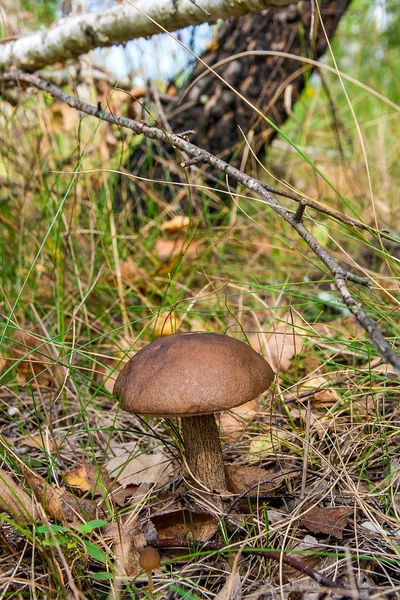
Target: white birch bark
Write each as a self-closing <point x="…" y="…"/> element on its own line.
<point x="72" y="37"/>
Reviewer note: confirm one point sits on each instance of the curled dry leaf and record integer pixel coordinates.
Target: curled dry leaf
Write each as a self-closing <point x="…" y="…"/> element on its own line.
<point x="331" y="520"/>
<point x="234" y="422"/>
<point x="119" y="494"/>
<point x="57" y="502"/>
<point x="283" y="344"/>
<point x="232" y="589"/>
<point x="144" y="468"/>
<point x="185" y="524"/>
<point x="178" y="223"/>
<point x="15" y="502"/>
<point x="86" y="478"/>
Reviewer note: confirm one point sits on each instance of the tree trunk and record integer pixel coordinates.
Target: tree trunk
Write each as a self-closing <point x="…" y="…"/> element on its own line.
<point x="216" y="113"/>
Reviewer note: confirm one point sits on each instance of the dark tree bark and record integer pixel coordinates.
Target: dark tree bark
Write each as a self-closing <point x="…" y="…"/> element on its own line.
<point x="216" y="113"/>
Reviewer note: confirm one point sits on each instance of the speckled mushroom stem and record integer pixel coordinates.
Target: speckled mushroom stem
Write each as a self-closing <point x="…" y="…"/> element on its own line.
<point x="203" y="451"/>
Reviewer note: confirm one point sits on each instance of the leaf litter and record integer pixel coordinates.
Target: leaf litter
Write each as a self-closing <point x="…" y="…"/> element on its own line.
<point x="130" y="477"/>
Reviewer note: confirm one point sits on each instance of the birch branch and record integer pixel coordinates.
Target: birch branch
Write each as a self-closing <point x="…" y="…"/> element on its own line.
<point x="74" y="36"/>
<point x="295" y="220"/>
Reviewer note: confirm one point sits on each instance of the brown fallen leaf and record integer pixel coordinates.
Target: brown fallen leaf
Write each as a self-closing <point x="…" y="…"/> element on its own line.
<point x="283" y="344"/>
<point x="232" y="589"/>
<point x="143" y="468"/>
<point x="127" y="540"/>
<point x="234" y="422"/>
<point x="34" y="359"/>
<point x="120" y="494"/>
<point x="327" y="520"/>
<point x="241" y="478"/>
<point x="131" y="272"/>
<point x="15" y="502"/>
<point x="82" y="477"/>
<point x="168" y="249"/>
<point x="303" y="551"/>
<point x="185" y="524"/>
<point x="57" y="502"/>
<point x="42" y="442"/>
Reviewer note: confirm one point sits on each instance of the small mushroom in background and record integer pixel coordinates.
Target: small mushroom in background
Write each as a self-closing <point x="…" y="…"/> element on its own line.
<point x="193" y="376"/>
<point x="149" y="560"/>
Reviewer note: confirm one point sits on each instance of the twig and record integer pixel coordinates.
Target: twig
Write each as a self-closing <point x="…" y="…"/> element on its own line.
<point x="295" y="563"/>
<point x="340" y="274"/>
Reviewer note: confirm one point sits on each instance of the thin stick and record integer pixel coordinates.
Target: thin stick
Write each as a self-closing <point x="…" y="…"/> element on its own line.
<point x="295" y="563"/>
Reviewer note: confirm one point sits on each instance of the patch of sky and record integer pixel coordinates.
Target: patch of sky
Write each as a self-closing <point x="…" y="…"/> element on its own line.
<point x="159" y="58"/>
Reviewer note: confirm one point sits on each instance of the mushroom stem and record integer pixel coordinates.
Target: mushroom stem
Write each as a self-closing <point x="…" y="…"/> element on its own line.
<point x="203" y="451"/>
<point x="150" y="586"/>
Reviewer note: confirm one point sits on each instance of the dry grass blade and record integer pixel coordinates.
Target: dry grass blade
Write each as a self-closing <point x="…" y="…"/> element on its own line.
<point x="15" y="501"/>
<point x="57" y="502"/>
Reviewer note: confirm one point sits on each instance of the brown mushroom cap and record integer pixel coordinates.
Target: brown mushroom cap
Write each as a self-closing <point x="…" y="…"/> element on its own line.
<point x="149" y="558"/>
<point x="187" y="374"/>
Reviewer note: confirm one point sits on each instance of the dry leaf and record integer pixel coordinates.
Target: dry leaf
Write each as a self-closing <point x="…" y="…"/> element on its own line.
<point x="285" y="343"/>
<point x="185" y="524"/>
<point x="234" y="422"/>
<point x="322" y="393"/>
<point x="263" y="446"/>
<point x="131" y="272"/>
<point x="15" y="502"/>
<point x="119" y="494"/>
<point x="82" y="477"/>
<point x="127" y="540"/>
<point x="165" y="324"/>
<point x="169" y="249"/>
<point x="327" y="520"/>
<point x="42" y="442"/>
<point x="36" y="358"/>
<point x="144" y="468"/>
<point x="320" y="424"/>
<point x="57" y="502"/>
<point x="232" y="589"/>
<point x="280" y="347"/>
<point x="308" y="544"/>
<point x="241" y="478"/>
<point x="178" y="223"/>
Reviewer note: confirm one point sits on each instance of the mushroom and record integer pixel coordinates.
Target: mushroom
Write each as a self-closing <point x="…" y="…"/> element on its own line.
<point x="193" y="376"/>
<point x="149" y="560"/>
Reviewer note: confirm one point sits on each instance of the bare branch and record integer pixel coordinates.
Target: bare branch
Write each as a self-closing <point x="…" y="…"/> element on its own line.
<point x="74" y="36"/>
<point x="197" y="155"/>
